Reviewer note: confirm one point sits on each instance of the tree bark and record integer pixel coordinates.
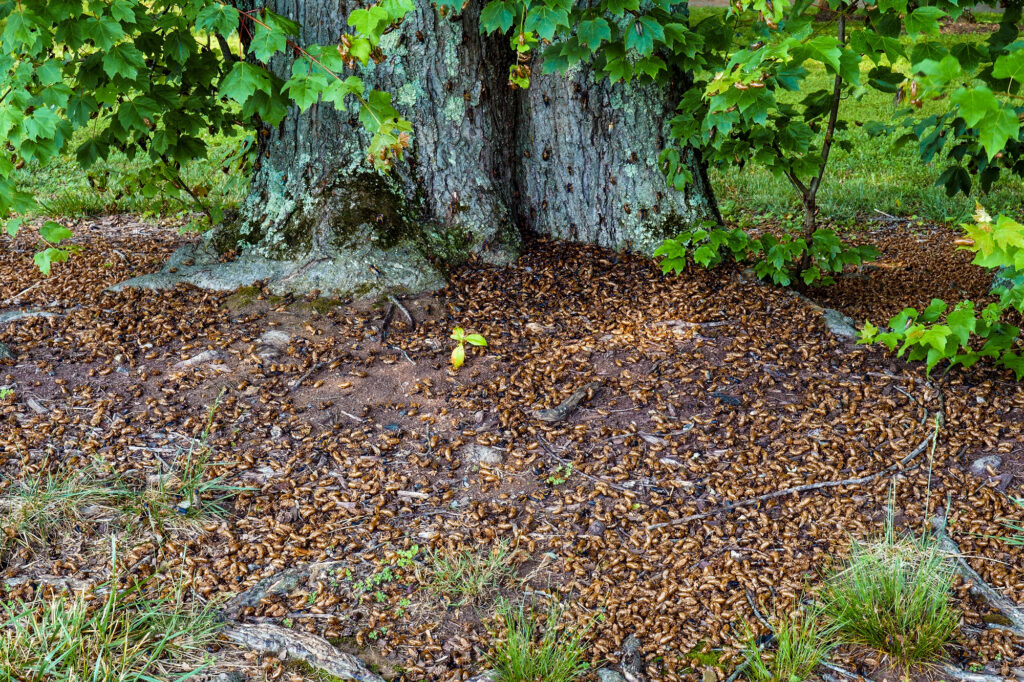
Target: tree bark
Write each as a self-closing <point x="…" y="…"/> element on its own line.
<point x="569" y="157"/>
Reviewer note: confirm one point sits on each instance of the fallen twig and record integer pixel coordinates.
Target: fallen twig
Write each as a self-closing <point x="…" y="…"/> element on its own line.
<point x="305" y="376"/>
<point x="557" y="414"/>
<point x="397" y="304"/>
<point x="862" y="480"/>
<point x="566" y="463"/>
<point x="976" y="585"/>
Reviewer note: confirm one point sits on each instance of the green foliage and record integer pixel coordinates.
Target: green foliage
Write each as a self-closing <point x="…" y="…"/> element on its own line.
<point x="560" y="476"/>
<point x="964" y="335"/>
<point x="133" y="76"/>
<point x="555" y="654"/>
<point x="894" y="595"/>
<point x="779" y="259"/>
<point x="800" y="642"/>
<point x="461" y="338"/>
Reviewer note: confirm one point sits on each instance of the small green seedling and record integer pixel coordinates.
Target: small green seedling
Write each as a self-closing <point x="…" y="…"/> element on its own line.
<point x="561" y="475"/>
<point x="6" y="394"/>
<point x="459" y="352"/>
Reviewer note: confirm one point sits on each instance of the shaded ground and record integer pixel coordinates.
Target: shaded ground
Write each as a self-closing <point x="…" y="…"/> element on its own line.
<point x="711" y="390"/>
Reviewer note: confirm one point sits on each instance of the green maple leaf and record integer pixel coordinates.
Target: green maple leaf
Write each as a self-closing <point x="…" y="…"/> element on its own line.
<point x="1010" y="66"/>
<point x="996" y="128"/>
<point x="218" y="18"/>
<point x="266" y="43"/>
<point x="546" y="20"/>
<point x="592" y="32"/>
<point x="123" y="60"/>
<point x="243" y="80"/>
<point x="497" y="15"/>
<point x="975" y="103"/>
<point x="131" y="113"/>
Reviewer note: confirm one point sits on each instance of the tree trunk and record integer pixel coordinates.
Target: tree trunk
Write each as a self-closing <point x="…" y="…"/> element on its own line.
<point x="569" y="157"/>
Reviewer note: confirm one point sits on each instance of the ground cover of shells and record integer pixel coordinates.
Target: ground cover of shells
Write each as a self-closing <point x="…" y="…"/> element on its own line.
<point x="610" y="406"/>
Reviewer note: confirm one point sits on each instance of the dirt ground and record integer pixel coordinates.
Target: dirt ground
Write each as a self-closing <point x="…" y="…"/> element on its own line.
<point x="711" y="389"/>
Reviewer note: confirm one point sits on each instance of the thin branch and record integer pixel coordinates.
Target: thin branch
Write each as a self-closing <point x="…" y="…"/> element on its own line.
<point x="921" y="447"/>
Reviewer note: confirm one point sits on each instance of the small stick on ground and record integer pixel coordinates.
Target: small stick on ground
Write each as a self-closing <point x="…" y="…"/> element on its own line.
<point x="862" y="480"/>
<point x="976" y="585"/>
<point x="408" y="316"/>
<point x="389" y="314"/>
<point x="305" y="376"/>
<point x="565" y="408"/>
<point x="566" y="463"/>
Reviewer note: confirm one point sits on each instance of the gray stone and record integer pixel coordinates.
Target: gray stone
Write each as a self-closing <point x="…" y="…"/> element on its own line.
<point x="276" y="338"/>
<point x="483" y="454"/>
<point x="607" y="675"/>
<point x="6" y="353"/>
<point x="15" y="315"/>
<point x="335" y="274"/>
<point x="980" y="466"/>
<point x="840" y="325"/>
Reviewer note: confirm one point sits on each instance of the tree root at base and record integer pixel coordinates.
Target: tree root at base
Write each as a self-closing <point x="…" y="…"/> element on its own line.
<point x="976" y="585"/>
<point x="301" y="646"/>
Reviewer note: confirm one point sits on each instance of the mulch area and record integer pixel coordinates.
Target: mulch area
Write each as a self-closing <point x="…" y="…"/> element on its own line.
<point x="711" y="390"/>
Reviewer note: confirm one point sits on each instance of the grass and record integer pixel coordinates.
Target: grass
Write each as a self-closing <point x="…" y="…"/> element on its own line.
<point x="801" y="642"/>
<point x="127" y="635"/>
<point x="39" y="509"/>
<point x="895" y="596"/>
<point x="555" y="654"/>
<point x="64" y="190"/>
<point x="467" y="576"/>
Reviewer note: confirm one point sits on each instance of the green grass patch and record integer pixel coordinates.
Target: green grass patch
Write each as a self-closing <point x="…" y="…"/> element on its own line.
<point x="64" y="190"/>
<point x="467" y="576"/>
<point x="895" y="596"/>
<point x="800" y="643"/>
<point x="126" y="635"/>
<point x="528" y="653"/>
<point x="873" y="176"/>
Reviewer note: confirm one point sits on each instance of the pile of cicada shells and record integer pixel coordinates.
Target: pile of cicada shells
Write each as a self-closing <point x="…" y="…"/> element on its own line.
<point x="710" y="390"/>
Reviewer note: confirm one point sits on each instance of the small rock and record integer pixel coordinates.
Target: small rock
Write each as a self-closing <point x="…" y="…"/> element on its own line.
<point x="606" y="675"/>
<point x="275" y="432"/>
<point x="483" y="454"/>
<point x="205" y="356"/>
<point x="393" y="427"/>
<point x="5" y="353"/>
<point x="596" y="529"/>
<point x="275" y="337"/>
<point x="839" y="324"/>
<point x="980" y="467"/>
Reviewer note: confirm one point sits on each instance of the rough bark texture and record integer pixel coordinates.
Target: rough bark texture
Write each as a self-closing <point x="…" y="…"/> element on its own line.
<point x="569" y="157"/>
<point x="588" y="163"/>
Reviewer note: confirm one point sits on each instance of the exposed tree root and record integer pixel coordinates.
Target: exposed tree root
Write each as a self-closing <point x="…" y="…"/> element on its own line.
<point x="279" y="583"/>
<point x="862" y="480"/>
<point x="294" y="644"/>
<point x="976" y="585"/>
